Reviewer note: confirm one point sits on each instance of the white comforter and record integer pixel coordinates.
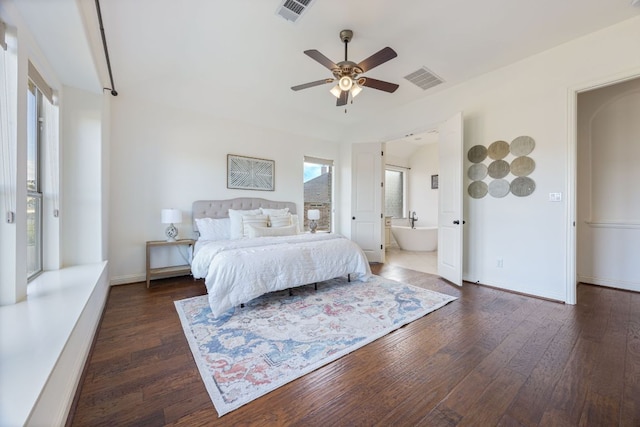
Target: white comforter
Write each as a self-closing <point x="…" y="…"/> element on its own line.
<point x="237" y="271"/>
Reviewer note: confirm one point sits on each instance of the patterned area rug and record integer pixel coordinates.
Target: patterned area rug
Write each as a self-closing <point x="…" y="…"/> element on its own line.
<point x="277" y="338"/>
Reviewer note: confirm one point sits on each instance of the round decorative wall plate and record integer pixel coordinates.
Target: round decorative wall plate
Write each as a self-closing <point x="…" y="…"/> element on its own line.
<point x="522" y="145"/>
<point x="522" y="186"/>
<point x="477" y="153"/>
<point x="499" y="169"/>
<point x="477" y="172"/>
<point x="477" y="189"/>
<point x="498" y="150"/>
<point x="522" y="166"/>
<point x="499" y="188"/>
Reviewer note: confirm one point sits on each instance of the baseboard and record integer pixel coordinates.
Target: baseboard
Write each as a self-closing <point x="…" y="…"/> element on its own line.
<point x="128" y="279"/>
<point x="517" y="290"/>
<point x="610" y="283"/>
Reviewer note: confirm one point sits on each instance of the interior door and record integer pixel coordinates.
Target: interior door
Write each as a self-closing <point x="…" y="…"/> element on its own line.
<point x="450" y="200"/>
<point x="366" y="201"/>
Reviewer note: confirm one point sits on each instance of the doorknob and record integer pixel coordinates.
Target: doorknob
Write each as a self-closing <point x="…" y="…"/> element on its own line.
<point x="456" y="222"/>
<point x="353" y="217"/>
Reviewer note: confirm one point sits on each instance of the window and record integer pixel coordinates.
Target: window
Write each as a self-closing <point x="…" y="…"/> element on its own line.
<point x="34" y="184"/>
<point x="394" y="192"/>
<point x="318" y="191"/>
<point x="39" y="99"/>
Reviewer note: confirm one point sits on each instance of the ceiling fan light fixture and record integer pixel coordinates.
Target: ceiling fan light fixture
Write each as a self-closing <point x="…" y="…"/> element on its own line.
<point x="347" y="73"/>
<point x="355" y="90"/>
<point x="345" y="83"/>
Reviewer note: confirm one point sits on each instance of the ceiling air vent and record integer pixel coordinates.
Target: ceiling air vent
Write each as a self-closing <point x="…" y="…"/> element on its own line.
<point x="424" y="78"/>
<point x="291" y="10"/>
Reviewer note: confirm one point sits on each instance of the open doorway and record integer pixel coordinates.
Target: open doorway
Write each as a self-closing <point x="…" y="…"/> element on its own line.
<point x="607" y="229"/>
<point x="411" y="200"/>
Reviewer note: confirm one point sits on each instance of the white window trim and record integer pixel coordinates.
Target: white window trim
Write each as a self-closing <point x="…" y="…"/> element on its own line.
<point x="405" y="185"/>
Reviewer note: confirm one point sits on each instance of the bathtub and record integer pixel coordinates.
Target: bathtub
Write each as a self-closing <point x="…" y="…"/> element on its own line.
<point x="416" y="239"/>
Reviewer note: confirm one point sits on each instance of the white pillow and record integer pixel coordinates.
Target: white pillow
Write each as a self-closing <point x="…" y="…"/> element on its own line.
<point x="214" y="228"/>
<point x="279" y="220"/>
<point x="235" y="215"/>
<point x="274" y="212"/>
<point x="254" y="231"/>
<point x="294" y="221"/>
<point x="252" y="220"/>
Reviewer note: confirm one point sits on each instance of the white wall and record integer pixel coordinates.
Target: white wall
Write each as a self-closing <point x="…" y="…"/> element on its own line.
<point x="423" y="199"/>
<point x="608" y="207"/>
<point x="530" y="97"/>
<point x="81" y="213"/>
<point x="162" y="157"/>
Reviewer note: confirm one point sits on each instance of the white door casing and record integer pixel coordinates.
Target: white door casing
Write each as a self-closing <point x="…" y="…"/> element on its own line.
<point x="450" y="219"/>
<point x="366" y="202"/>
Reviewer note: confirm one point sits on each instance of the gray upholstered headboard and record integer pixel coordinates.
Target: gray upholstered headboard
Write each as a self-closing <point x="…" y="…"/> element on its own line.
<point x="220" y="208"/>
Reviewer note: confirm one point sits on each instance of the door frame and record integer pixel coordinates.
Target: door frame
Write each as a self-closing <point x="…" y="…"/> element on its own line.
<point x="437" y="126"/>
<point x="572" y="172"/>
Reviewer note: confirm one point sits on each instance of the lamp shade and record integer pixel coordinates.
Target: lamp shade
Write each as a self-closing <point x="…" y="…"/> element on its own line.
<point x="336" y="91"/>
<point x="171" y="216"/>
<point x="355" y="90"/>
<point x="313" y="214"/>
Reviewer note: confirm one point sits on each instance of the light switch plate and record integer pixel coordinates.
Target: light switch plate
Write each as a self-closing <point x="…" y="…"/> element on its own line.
<point x="555" y="197"/>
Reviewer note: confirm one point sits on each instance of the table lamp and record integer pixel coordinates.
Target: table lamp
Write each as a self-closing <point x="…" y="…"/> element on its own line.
<point x="171" y="216"/>
<point x="313" y="215"/>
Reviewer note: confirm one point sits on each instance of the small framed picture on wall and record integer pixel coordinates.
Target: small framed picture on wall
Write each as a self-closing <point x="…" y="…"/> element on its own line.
<point x="434" y="182"/>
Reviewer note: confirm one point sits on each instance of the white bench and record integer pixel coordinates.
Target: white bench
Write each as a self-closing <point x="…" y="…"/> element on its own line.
<point x="44" y="343"/>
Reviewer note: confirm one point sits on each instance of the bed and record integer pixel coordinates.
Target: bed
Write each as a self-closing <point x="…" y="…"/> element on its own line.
<point x="247" y="247"/>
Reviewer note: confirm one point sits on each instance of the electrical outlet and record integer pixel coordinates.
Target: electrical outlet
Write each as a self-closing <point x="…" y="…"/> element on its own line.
<point x="499" y="263"/>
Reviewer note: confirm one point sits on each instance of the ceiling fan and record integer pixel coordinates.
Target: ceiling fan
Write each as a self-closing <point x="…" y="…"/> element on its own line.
<point x="347" y="73"/>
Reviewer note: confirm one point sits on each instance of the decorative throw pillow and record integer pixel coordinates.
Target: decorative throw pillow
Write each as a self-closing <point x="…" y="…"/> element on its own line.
<point x="252" y="220"/>
<point x="294" y="221"/>
<point x="214" y="228"/>
<point x="280" y="220"/>
<point x="255" y="231"/>
<point x="236" y="229"/>
<point x="274" y="212"/>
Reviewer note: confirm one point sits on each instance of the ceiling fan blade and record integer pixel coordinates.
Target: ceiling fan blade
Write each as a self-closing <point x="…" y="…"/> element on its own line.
<point x="377" y="58"/>
<point x="312" y="84"/>
<point x="379" y="84"/>
<point x="344" y="97"/>
<point x="314" y="54"/>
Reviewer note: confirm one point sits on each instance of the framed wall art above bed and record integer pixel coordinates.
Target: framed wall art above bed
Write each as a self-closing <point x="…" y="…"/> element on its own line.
<point x="249" y="173"/>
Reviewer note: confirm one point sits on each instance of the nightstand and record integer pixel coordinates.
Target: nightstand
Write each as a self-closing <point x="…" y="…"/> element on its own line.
<point x="171" y="271"/>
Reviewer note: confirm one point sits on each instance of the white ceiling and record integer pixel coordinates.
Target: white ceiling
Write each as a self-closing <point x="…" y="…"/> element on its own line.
<point x="407" y="145"/>
<point x="238" y="59"/>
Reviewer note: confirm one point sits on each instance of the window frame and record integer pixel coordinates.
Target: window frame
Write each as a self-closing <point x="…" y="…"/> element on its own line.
<point x="405" y="182"/>
<point x="35" y="192"/>
<point x="323" y="163"/>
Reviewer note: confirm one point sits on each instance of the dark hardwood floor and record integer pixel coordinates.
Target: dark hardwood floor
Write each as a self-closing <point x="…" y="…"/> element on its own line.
<point x="489" y="358"/>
